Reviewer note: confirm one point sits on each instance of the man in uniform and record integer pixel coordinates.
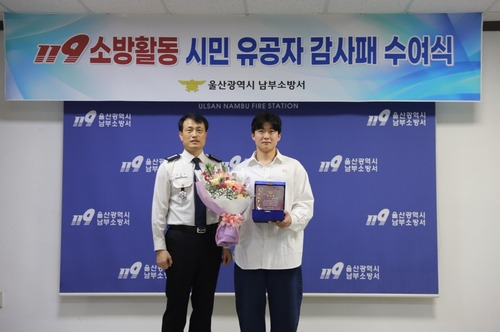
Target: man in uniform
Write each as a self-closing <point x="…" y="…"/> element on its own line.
<point x="185" y="245"/>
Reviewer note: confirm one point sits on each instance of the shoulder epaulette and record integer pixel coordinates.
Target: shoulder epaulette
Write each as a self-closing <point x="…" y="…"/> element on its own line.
<point x="213" y="158"/>
<point x="173" y="157"/>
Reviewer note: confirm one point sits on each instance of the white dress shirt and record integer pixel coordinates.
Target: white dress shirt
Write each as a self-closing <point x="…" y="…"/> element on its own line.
<point x="263" y="245"/>
<point x="173" y="196"/>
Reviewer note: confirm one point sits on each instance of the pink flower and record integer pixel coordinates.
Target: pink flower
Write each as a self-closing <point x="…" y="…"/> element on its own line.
<point x="231" y="219"/>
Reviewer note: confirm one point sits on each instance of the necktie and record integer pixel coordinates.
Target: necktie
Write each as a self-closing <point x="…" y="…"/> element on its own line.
<point x="200" y="211"/>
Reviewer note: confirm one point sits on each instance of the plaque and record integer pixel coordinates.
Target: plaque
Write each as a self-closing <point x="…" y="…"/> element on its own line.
<point x="269" y="201"/>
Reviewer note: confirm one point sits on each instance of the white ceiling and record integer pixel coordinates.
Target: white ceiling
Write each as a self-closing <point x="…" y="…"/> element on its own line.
<point x="490" y="8"/>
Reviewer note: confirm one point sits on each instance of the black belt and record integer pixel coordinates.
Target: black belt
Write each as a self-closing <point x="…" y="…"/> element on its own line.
<point x="193" y="229"/>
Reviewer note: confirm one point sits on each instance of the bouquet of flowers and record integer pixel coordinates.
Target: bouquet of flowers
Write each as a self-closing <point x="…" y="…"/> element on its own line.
<point x="223" y="193"/>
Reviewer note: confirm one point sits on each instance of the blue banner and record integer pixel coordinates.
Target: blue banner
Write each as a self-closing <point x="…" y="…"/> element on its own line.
<point x="371" y="168"/>
<point x="307" y="58"/>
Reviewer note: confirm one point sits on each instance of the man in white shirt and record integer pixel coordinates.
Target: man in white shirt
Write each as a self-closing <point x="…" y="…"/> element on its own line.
<point x="185" y="244"/>
<point x="268" y="256"/>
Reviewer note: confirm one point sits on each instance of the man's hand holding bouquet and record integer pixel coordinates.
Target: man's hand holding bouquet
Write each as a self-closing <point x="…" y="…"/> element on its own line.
<point x="226" y="195"/>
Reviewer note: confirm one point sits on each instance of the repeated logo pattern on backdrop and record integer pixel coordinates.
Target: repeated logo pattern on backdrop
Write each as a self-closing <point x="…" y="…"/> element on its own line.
<point x="371" y="167"/>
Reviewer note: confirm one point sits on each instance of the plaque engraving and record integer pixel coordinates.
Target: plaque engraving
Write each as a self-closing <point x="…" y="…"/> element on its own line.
<point x="269" y="204"/>
<point x="269" y="197"/>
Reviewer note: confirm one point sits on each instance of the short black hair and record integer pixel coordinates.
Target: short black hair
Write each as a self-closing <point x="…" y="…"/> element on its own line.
<point x="198" y="118"/>
<point x="266" y="116"/>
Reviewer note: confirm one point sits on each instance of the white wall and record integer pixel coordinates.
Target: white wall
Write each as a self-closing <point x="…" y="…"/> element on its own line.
<point x="468" y="182"/>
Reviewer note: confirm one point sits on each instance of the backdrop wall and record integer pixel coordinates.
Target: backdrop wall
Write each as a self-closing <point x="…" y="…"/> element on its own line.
<point x="371" y="167"/>
<point x="31" y="143"/>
